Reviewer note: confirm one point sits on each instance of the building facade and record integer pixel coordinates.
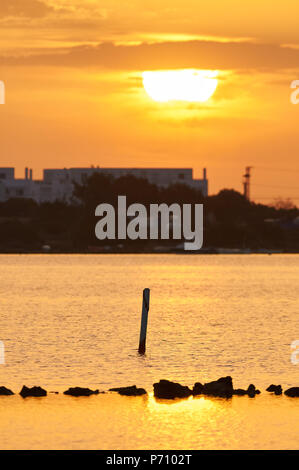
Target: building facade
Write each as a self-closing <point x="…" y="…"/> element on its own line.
<point x="58" y="184"/>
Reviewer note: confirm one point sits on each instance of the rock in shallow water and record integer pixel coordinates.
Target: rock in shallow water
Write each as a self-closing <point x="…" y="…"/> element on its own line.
<point x="5" y="391"/>
<point x="80" y="392"/>
<point x="292" y="392"/>
<point x="252" y="391"/>
<point x="33" y="392"/>
<point x="275" y="388"/>
<point x="240" y="392"/>
<point x="170" y="390"/>
<point x="222" y="387"/>
<point x="197" y="389"/>
<point x="131" y="391"/>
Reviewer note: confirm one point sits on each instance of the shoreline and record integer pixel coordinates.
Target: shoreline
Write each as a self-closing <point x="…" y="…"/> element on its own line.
<point x="164" y="389"/>
<point x="145" y="252"/>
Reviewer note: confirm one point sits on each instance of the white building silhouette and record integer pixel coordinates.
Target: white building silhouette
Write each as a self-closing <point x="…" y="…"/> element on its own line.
<point x="58" y="184"/>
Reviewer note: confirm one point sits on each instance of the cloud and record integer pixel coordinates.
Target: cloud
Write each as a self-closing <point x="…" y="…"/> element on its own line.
<point x="169" y="55"/>
<point x="24" y="8"/>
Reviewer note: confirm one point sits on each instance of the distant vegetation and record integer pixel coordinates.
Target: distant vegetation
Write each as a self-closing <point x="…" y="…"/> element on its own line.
<point x="230" y="221"/>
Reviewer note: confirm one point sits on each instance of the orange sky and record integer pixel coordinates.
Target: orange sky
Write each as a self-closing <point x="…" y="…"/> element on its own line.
<point x="74" y="93"/>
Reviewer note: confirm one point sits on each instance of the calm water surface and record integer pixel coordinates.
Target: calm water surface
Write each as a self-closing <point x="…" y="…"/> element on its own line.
<point x="70" y="320"/>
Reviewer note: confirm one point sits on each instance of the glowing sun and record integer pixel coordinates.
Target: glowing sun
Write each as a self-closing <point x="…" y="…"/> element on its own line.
<point x="180" y="85"/>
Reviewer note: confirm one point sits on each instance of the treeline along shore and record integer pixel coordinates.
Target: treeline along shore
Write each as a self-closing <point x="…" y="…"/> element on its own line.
<point x="231" y="222"/>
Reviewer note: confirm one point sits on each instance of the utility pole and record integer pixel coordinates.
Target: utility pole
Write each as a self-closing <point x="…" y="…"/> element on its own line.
<point x="246" y="182"/>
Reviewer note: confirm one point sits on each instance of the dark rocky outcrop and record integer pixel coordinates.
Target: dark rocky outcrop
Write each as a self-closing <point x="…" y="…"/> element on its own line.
<point x="252" y="391"/>
<point x="131" y="391"/>
<point x="170" y="390"/>
<point x="222" y="387"/>
<point x="5" y="391"/>
<point x="80" y="392"/>
<point x="275" y="388"/>
<point x="197" y="389"/>
<point x="292" y="392"/>
<point x="240" y="392"/>
<point x="33" y="392"/>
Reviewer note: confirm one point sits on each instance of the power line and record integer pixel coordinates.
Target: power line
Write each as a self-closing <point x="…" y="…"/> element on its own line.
<point x="276" y="186"/>
<point x="291" y="170"/>
<point x="275" y="197"/>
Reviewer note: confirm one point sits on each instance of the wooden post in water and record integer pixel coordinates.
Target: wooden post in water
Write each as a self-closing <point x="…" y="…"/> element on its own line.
<point x="144" y="315"/>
